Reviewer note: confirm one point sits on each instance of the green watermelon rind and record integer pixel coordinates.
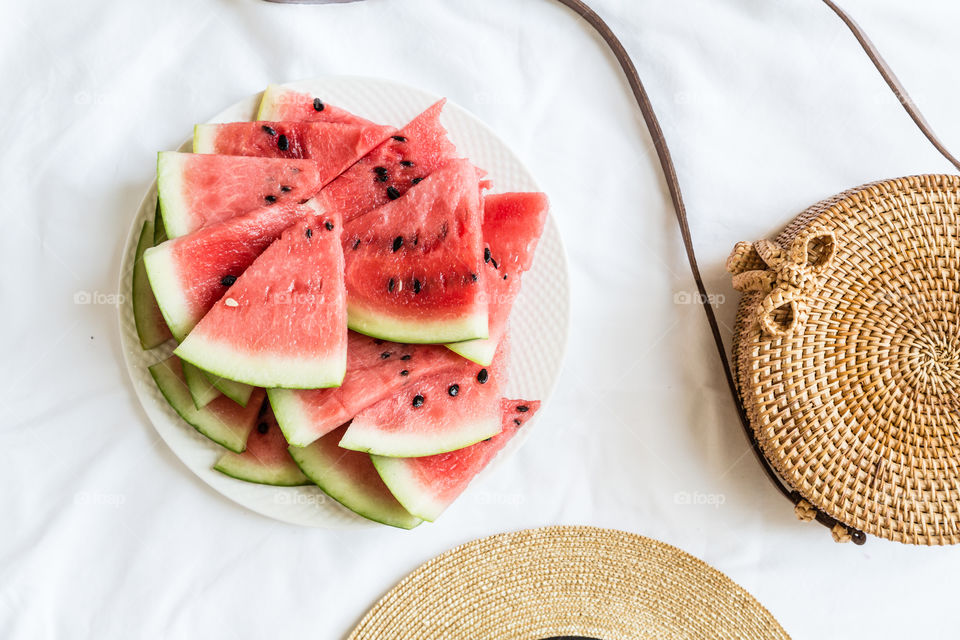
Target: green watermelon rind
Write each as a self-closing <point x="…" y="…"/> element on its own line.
<point x="378" y="324"/>
<point x="266" y="109"/>
<point x="159" y="233"/>
<point x="480" y="351"/>
<point x="364" y="437"/>
<point x="243" y="468"/>
<point x="323" y="473"/>
<point x="167" y="289"/>
<point x="201" y="390"/>
<point x="294" y="423"/>
<point x="289" y="372"/>
<point x="404" y="487"/>
<point x="232" y="437"/>
<point x="173" y="206"/>
<point x="149" y="333"/>
<point x="204" y="138"/>
<point x="236" y="391"/>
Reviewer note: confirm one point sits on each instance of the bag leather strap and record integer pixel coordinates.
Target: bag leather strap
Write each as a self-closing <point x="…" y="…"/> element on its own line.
<point x="841" y="531"/>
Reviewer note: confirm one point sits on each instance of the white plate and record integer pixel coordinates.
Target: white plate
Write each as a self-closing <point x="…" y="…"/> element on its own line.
<point x="539" y="320"/>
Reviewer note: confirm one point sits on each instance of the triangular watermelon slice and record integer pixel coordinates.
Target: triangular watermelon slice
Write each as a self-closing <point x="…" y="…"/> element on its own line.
<point x="283" y="323"/>
<point x="512" y="224"/>
<point x="282" y="104"/>
<point x="350" y="478"/>
<point x="266" y="459"/>
<point x="190" y="273"/>
<point x="197" y="190"/>
<point x="443" y="412"/>
<point x="334" y="147"/>
<point x="375" y="370"/>
<point x="151" y="328"/>
<point x="414" y="266"/>
<point x="398" y="163"/>
<point x="427" y="486"/>
<point x="222" y="420"/>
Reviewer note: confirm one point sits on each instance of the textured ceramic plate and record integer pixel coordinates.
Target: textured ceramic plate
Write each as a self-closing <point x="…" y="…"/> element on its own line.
<point x="539" y="320"/>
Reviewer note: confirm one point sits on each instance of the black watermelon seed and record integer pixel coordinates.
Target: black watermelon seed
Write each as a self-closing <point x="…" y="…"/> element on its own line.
<point x="454" y="389"/>
<point x="391" y="285"/>
<point x="328" y="225"/>
<point x="318" y="105"/>
<point x="384" y="355"/>
<point x="523" y="408"/>
<point x="517" y="421"/>
<point x="494" y="263"/>
<point x="418" y="400"/>
<point x="282" y="143"/>
<point x="380" y="171"/>
<point x="474" y="277"/>
<point x="356" y="243"/>
<point x="482" y="376"/>
<point x="399" y="138"/>
<point x="263" y="408"/>
<point x="416" y="181"/>
<point x="392" y="193"/>
<point x="269" y="130"/>
<point x="263" y="427"/>
<point x="404" y="372"/>
<point x="504" y="276"/>
<point x="488" y="439"/>
<point x="285" y="188"/>
<point x="486" y="254"/>
<point x="417" y="286"/>
<point x="270" y="198"/>
<point x="382" y="178"/>
<point x="228" y="281"/>
<point x="406" y="163"/>
<point x="309" y="233"/>
<point x="397" y="243"/>
<point x="406" y="357"/>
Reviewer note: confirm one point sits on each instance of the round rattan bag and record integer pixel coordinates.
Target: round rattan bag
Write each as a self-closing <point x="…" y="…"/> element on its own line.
<point x="847" y="358"/>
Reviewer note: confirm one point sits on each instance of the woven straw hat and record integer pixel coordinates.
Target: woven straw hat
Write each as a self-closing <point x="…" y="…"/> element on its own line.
<point x="562" y="581"/>
<point x="847" y="357"/>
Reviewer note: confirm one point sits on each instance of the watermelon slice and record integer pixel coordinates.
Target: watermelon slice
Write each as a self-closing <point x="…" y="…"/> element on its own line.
<point x="266" y="459"/>
<point x="283" y="323"/>
<point x="280" y="104"/>
<point x="236" y="391"/>
<point x="387" y="172"/>
<point x="201" y="389"/>
<point x="159" y="233"/>
<point x="223" y="421"/>
<point x="197" y="190"/>
<point x="375" y="370"/>
<point x="512" y="224"/>
<point x="189" y="274"/>
<point x="151" y="328"/>
<point x="443" y="412"/>
<point x="334" y="147"/>
<point x="427" y="486"/>
<point x="414" y="266"/>
<point x="350" y="478"/>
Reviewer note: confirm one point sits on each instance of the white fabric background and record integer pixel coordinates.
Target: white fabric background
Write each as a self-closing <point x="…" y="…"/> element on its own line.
<point x="768" y="107"/>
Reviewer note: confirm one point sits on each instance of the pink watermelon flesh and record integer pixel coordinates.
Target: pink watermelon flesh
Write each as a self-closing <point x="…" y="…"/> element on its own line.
<point x="350" y="478"/>
<point x="151" y="328"/>
<point x="375" y="370"/>
<point x="414" y="266"/>
<point x="222" y="420"/>
<point x="283" y="323"/>
<point x="387" y="172"/>
<point x="442" y="412"/>
<point x="282" y="104"/>
<point x="427" y="486"/>
<point x="512" y="225"/>
<point x="190" y="273"/>
<point x="334" y="147"/>
<point x="197" y="190"/>
<point x="266" y="459"/>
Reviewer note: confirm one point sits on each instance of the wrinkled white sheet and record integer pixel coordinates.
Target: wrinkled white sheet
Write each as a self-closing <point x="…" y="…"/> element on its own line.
<point x="768" y="107"/>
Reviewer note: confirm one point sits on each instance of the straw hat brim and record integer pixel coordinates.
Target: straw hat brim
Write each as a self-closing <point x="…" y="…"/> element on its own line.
<point x="567" y="581"/>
